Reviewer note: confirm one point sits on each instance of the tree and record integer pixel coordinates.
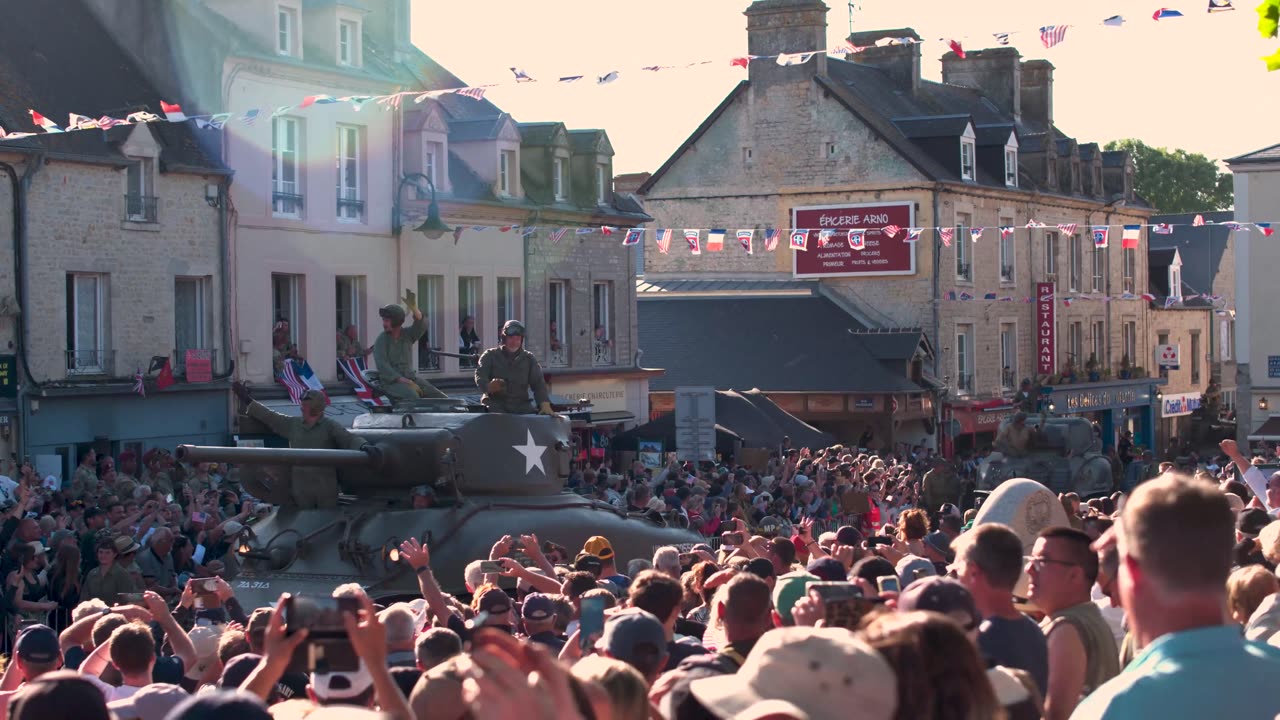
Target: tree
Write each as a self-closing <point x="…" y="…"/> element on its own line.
<point x="1176" y="181"/>
<point x="1269" y="27"/>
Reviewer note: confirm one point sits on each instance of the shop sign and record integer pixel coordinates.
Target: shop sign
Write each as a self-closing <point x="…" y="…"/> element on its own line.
<point x="826" y="403"/>
<point x="1046" y="329"/>
<point x="864" y="403"/>
<point x="9" y="376"/>
<point x="1167" y="357"/>
<point x="199" y="365"/>
<point x="603" y="396"/>
<point x="879" y="253"/>
<point x="1273" y="366"/>
<point x="1179" y="404"/>
<point x="1090" y="400"/>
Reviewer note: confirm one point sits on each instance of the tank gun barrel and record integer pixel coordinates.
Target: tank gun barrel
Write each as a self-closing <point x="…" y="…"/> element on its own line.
<point x="323" y="458"/>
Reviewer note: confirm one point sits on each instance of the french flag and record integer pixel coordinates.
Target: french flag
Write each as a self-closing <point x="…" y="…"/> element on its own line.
<point x="173" y="113"/>
<point x="354" y="369"/>
<point x="44" y="123"/>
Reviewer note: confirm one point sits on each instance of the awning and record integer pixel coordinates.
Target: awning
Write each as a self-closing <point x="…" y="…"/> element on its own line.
<point x="610" y="418"/>
<point x="1268" y="430"/>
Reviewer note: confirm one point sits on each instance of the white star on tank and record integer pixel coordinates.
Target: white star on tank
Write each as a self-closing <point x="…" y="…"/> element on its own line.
<point x="532" y="453"/>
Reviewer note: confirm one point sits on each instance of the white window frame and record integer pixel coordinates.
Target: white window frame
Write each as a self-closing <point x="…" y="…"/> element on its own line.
<point x="964" y="263"/>
<point x="294" y="299"/>
<point x="964" y="361"/>
<point x="1051" y="254"/>
<point x="1129" y="270"/>
<point x="1011" y="166"/>
<point x="1075" y="281"/>
<point x="1008" y="254"/>
<point x="99" y="323"/>
<point x="355" y="304"/>
<point x="349" y="50"/>
<point x="1098" y="335"/>
<point x="1129" y="339"/>
<point x="506" y="172"/>
<point x="1099" y="263"/>
<point x="201" y="286"/>
<point x="558" y="184"/>
<point x="1009" y="354"/>
<point x="431" y="302"/>
<point x="284" y="158"/>
<point x="557" y="311"/>
<point x="1175" y="281"/>
<point x="139" y="169"/>
<point x="1075" y="344"/>
<point x="508" y="299"/>
<point x="602" y="183"/>
<point x="348" y="173"/>
<point x="1226" y="331"/>
<point x="602" y="314"/>
<point x="968" y="150"/>
<point x="286" y="30"/>
<point x="470" y="297"/>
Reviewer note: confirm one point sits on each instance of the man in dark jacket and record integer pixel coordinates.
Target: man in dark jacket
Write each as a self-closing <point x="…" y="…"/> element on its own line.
<point x="508" y="371"/>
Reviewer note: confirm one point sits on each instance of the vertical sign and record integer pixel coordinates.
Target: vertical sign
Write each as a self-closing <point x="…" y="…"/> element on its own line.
<point x="8" y="376"/>
<point x="696" y="423"/>
<point x="1046" y="330"/>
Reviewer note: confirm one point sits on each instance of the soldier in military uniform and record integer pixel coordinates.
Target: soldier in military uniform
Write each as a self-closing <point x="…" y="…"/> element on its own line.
<point x="307" y="487"/>
<point x="393" y="353"/>
<point x="508" y="371"/>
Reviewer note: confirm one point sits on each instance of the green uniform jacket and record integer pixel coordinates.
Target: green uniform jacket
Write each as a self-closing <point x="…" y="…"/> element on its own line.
<point x="521" y="371"/>
<point x="940" y="488"/>
<point x="311" y="486"/>
<point x="107" y="587"/>
<point x="394" y="356"/>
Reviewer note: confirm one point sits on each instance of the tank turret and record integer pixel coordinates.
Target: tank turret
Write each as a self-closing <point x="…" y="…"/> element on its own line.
<point x="1064" y="457"/>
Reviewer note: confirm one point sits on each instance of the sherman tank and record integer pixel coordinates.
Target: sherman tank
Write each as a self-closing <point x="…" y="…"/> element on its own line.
<point x="490" y="475"/>
<point x="1065" y="457"/>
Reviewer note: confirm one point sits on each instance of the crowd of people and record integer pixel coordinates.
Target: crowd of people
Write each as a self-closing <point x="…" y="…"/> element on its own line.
<point x="833" y="583"/>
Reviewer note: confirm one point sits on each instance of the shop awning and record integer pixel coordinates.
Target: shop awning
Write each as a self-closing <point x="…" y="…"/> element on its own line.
<point x="1268" y="430"/>
<point x="610" y="418"/>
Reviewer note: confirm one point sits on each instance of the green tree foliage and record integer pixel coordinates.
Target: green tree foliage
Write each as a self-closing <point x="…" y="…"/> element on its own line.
<point x="1269" y="27"/>
<point x="1176" y="181"/>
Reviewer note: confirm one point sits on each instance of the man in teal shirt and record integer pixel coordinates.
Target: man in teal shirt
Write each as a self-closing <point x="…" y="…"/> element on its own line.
<point x="1175" y="540"/>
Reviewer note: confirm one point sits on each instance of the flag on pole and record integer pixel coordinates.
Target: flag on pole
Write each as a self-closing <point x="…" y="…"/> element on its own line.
<point x="1163" y="13"/>
<point x="715" y="239"/>
<point x="891" y="230"/>
<point x="946" y="234"/>
<point x="858" y="239"/>
<point x="1198" y="222"/>
<point x="354" y="369"/>
<point x="1162" y="229"/>
<point x="1051" y="35"/>
<point x="1100" y="236"/>
<point x="1265" y="228"/>
<point x="770" y="240"/>
<point x="44" y="123"/>
<point x="1067" y="228"/>
<point x="138" y="386"/>
<point x="663" y="237"/>
<point x="824" y="237"/>
<point x="634" y="236"/>
<point x="913" y="234"/>
<point x="1006" y="231"/>
<point x="1114" y="21"/>
<point x="744" y="239"/>
<point x="1131" y="236"/>
<point x="694" y="238"/>
<point x="975" y="234"/>
<point x="172" y="112"/>
<point x="800" y="240"/>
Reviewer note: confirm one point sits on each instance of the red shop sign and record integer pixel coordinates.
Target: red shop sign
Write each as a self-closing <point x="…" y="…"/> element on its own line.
<point x="880" y="254"/>
<point x="1046" y="329"/>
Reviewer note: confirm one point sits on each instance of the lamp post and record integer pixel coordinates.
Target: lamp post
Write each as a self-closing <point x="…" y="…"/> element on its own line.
<point x="433" y="227"/>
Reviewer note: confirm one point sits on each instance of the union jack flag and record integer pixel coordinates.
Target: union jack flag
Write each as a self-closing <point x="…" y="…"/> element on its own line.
<point x="891" y="230"/>
<point x="770" y="240"/>
<point x="1067" y="228"/>
<point x="663" y="238"/>
<point x="1051" y="35"/>
<point x="558" y="234"/>
<point x="946" y="234"/>
<point x="354" y="369"/>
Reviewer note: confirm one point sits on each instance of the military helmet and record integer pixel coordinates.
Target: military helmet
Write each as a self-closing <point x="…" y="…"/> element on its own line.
<point x="512" y="327"/>
<point x="315" y="398"/>
<point x="392" y="312"/>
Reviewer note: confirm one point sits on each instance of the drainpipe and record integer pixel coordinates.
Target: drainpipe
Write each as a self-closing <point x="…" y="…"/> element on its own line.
<point x="224" y="262"/>
<point x="937" y="297"/>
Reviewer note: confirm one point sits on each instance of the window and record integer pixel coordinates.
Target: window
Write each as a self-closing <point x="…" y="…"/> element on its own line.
<point x="602" y="184"/>
<point x="966" y="159"/>
<point x="286" y="305"/>
<point x="746" y="156"/>
<point x="1007" y="253"/>
<point x="1097" y="179"/>
<point x="1130" y="341"/>
<point x="557" y="179"/>
<point x="431" y="302"/>
<point x="286" y="30"/>
<point x="964" y="270"/>
<point x="508" y="300"/>
<point x="86" y="324"/>
<point x="1051" y="255"/>
<point x="1077" y="262"/>
<point x="1053" y="172"/>
<point x="286" y="192"/>
<point x="1128" y="262"/>
<point x="189" y="326"/>
<point x="964" y="359"/>
<point x="831" y="150"/>
<point x="1175" y="281"/>
<point x="469" y="332"/>
<point x="1099" y="338"/>
<point x="349" y="304"/>
<point x="1008" y="356"/>
<point x="558" y="323"/>
<point x="348" y="42"/>
<point x="350" y="206"/>
<point x="1099" y="268"/>
<point x="1011" y="167"/>
<point x="1195" y="357"/>
<point x="506" y="172"/>
<point x="1075" y="175"/>
<point x="1075" y="344"/>
<point x="1226" y="338"/>
<point x="140" y="201"/>
<point x="602" y="339"/>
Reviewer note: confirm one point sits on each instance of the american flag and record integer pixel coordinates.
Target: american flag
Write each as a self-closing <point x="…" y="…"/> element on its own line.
<point x="475" y="93"/>
<point x="770" y="240"/>
<point x="298" y="379"/>
<point x="663" y="238"/>
<point x="558" y="234"/>
<point x="250" y="116"/>
<point x="1067" y="228"/>
<point x="946" y="234"/>
<point x="354" y="369"/>
<point x="1051" y="35"/>
<point x="1198" y="222"/>
<point x="891" y="230"/>
<point x="138" y="385"/>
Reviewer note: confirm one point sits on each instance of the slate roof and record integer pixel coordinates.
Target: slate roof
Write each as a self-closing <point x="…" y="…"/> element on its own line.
<point x="934" y="126"/>
<point x="1158" y="261"/>
<point x="539" y="133"/>
<point x="748" y="417"/>
<point x="476" y="129"/>
<point x="1202" y="248"/>
<point x="766" y="343"/>
<point x="987" y="135"/>
<point x="900" y="345"/>
<point x="1266" y="154"/>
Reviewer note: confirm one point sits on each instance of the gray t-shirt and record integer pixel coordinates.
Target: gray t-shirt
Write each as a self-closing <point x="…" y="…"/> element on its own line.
<point x="1017" y="644"/>
<point x="161" y="569"/>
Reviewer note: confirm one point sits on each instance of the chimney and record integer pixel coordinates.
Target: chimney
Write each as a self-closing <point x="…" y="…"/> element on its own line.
<point x="996" y="72"/>
<point x="900" y="62"/>
<point x="1037" y="92"/>
<point x="775" y="27"/>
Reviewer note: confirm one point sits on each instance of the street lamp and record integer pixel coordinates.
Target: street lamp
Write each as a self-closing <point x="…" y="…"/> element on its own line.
<point x="1263" y="404"/>
<point x="433" y="227"/>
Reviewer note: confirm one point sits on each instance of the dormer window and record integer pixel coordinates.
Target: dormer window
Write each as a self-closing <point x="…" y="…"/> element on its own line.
<point x="506" y="173"/>
<point x="966" y="158"/>
<point x="1175" y="279"/>
<point x="1011" y="167"/>
<point x="558" y="178"/>
<point x="1097" y="179"/>
<point x="349" y="43"/>
<point x="602" y="184"/>
<point x="1075" y="175"/>
<point x="286" y="30"/>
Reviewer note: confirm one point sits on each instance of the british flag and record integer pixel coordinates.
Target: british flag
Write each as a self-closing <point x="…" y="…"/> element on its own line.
<point x="891" y="230"/>
<point x="1051" y="35"/>
<point x="354" y="369"/>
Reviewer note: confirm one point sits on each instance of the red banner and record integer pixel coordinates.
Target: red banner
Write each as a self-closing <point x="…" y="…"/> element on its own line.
<point x="879" y="255"/>
<point x="1046" y="329"/>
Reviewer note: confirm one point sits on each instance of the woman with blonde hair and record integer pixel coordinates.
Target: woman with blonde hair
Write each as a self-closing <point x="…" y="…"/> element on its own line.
<point x="627" y="690"/>
<point x="1247" y="587"/>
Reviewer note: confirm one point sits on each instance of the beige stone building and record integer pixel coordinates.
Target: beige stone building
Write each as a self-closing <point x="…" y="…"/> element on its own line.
<point x="866" y="143"/>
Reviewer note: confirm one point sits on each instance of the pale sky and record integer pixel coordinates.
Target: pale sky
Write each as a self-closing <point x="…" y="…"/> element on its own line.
<point x="1194" y="82"/>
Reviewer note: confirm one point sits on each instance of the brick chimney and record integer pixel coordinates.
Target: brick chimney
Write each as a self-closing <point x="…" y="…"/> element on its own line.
<point x="775" y="27"/>
<point x="900" y="62"/>
<point x="1037" y="92"/>
<point x="996" y="72"/>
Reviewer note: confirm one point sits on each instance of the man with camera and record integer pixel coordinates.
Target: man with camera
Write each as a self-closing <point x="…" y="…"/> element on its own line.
<point x="508" y="371"/>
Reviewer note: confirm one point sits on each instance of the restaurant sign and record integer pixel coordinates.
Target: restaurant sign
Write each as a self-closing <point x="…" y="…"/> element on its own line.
<point x="1046" y="329"/>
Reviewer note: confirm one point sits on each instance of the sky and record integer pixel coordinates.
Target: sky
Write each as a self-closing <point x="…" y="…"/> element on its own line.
<point x="1195" y="82"/>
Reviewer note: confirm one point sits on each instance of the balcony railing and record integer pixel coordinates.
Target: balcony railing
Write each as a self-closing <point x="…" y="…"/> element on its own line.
<point x="964" y="384"/>
<point x="180" y="359"/>
<point x="350" y="206"/>
<point x="427" y="360"/>
<point x="91" y="362"/>
<point x="1006" y="273"/>
<point x="558" y="357"/>
<point x="601" y="352"/>
<point x="140" y="208"/>
<point x="286" y="203"/>
<point x="467" y="362"/>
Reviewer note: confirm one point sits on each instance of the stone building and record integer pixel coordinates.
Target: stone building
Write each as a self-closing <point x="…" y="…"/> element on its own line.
<point x="865" y="142"/>
<point x="121" y="255"/>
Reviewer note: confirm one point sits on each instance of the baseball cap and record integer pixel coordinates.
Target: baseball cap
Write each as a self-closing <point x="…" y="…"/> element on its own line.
<point x="231" y="527"/>
<point x="1251" y="521"/>
<point x="632" y="633"/>
<point x="828" y="569"/>
<point x="822" y="671"/>
<point x="494" y="601"/>
<point x="237" y="670"/>
<point x="38" y="644"/>
<point x="790" y="588"/>
<point x="589" y="563"/>
<point x="802" y="481"/>
<point x="848" y="535"/>
<point x="152" y="702"/>
<point x="909" y="565"/>
<point x="599" y="547"/>
<point x="939" y="541"/>
<point x="760" y="567"/>
<point x="538" y="606"/>
<point x="342" y="685"/>
<point x="941" y="595"/>
<point x="221" y="705"/>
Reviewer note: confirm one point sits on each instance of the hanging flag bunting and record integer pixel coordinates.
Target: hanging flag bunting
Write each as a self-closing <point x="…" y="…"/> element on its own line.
<point x="138" y="386"/>
<point x="824" y="237"/>
<point x="357" y="101"/>
<point x="215" y="122"/>
<point x="81" y="122"/>
<point x="1132" y="235"/>
<point x="172" y="112"/>
<point x="606" y="230"/>
<point x="715" y="239"/>
<point x="694" y="237"/>
<point x="956" y="48"/>
<point x="521" y="76"/>
<point x="741" y="62"/>
<point x="1170" y="302"/>
<point x="744" y="239"/>
<point x="1162" y="229"/>
<point x="557" y="235"/>
<point x="1067" y="228"/>
<point x="1265" y="228"/>
<point x="106" y="122"/>
<point x="965" y="296"/>
<point x="800" y="240"/>
<point x="770" y="240"/>
<point x="1100" y="237"/>
<point x="607" y="77"/>
<point x="44" y="123"/>
<point x="1001" y="38"/>
<point x="858" y="239"/>
<point x="1006" y="231"/>
<point x="946" y="234"/>
<point x="951" y="295"/>
<point x="891" y="230"/>
<point x="584" y="231"/>
<point x="142" y="116"/>
<point x="1163" y="13"/>
<point x="475" y="93"/>
<point x="989" y="296"/>
<point x="1033" y="224"/>
<point x="1114" y="21"/>
<point x="1220" y="6"/>
<point x="789" y="59"/>
<point x="663" y="238"/>
<point x="634" y="236"/>
<point x="457" y="234"/>
<point x="1051" y="35"/>
<point x="250" y="116"/>
<point x="913" y="234"/>
<point x="1198" y="222"/>
<point x="310" y="100"/>
<point x="975" y="234"/>
<point x="1148" y="297"/>
<point x="571" y="78"/>
<point x="1230" y="225"/>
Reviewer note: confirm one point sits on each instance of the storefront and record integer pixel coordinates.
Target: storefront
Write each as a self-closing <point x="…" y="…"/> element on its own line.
<point x="614" y="405"/>
<point x="1173" y="408"/>
<point x="972" y="426"/>
<point x="1115" y="406"/>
